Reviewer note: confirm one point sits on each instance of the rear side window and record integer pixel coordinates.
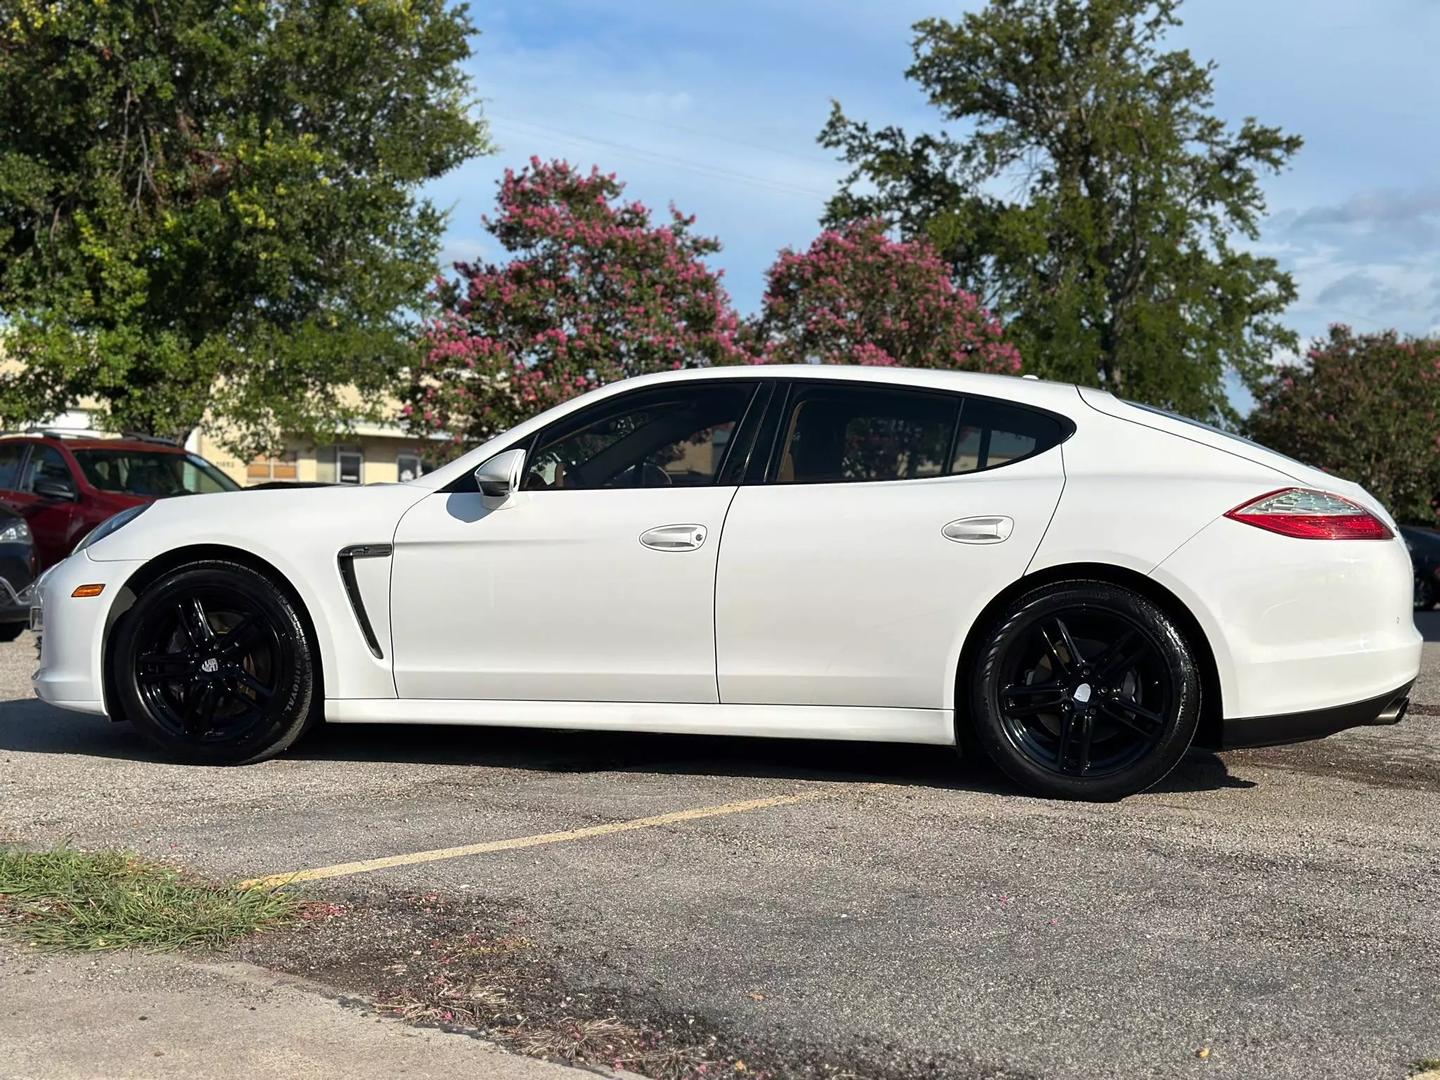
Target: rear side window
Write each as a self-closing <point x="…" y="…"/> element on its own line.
<point x="860" y="433"/>
<point x="839" y="433"/>
<point x="10" y="455"/>
<point x="996" y="433"/>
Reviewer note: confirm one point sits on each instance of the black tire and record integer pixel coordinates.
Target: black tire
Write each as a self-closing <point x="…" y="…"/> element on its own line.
<point x="11" y="631"/>
<point x="213" y="665"/>
<point x="1084" y="690"/>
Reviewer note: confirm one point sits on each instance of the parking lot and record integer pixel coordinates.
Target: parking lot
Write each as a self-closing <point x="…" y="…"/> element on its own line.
<point x="1268" y="913"/>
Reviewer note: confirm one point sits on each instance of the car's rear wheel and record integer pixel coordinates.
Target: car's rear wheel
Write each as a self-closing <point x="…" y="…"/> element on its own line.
<point x="1085" y="690"/>
<point x="213" y="664"/>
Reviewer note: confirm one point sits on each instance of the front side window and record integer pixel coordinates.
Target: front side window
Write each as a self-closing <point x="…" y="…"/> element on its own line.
<point x="45" y="464"/>
<point x="669" y="438"/>
<point x="865" y="433"/>
<point x="156" y="473"/>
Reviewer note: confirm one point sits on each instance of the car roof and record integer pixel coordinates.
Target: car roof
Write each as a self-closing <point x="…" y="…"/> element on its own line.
<point x="1041" y="392"/>
<point x="79" y="441"/>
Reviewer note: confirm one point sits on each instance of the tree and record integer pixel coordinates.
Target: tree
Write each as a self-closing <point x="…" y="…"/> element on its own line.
<point x="212" y="205"/>
<point x="1091" y="198"/>
<point x="858" y="297"/>
<point x="594" y="293"/>
<point x="1363" y="406"/>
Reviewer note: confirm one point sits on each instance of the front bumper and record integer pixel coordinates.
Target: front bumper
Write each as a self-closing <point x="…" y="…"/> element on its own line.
<point x="1388" y="708"/>
<point x="73" y="637"/>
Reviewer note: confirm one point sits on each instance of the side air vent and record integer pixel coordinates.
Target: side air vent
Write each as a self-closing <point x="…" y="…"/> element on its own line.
<point x="346" y="559"/>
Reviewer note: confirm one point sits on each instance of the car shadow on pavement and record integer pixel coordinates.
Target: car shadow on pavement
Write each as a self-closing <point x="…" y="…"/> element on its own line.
<point x="31" y="726"/>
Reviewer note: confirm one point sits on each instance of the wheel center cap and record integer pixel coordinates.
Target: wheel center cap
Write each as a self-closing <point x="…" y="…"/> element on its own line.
<point x="1081" y="694"/>
<point x="210" y="665"/>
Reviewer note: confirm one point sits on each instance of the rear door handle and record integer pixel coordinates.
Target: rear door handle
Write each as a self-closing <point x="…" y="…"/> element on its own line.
<point x="674" y="537"/>
<point x="985" y="529"/>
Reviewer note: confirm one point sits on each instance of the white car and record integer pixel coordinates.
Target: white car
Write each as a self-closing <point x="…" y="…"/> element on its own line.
<point x="1078" y="587"/>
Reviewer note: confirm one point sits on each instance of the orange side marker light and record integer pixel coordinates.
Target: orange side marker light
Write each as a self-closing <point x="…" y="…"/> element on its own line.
<point x="88" y="590"/>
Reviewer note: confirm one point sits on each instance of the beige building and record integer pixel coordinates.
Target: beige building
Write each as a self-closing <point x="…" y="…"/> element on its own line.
<point x="371" y="454"/>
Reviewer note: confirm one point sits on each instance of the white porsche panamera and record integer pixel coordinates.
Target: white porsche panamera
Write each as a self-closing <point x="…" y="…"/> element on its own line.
<point x="1077" y="587"/>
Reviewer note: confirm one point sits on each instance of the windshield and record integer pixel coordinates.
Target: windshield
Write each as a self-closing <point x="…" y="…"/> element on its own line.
<point x="152" y="472"/>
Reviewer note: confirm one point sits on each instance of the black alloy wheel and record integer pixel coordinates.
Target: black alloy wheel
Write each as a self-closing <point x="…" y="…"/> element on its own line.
<point x="213" y="664"/>
<point x="1085" y="690"/>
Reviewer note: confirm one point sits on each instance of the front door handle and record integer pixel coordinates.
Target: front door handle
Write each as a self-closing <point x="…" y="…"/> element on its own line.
<point x="987" y="529"/>
<point x="674" y="537"/>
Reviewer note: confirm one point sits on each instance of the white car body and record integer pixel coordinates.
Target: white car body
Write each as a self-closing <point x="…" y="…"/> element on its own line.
<point x="834" y="610"/>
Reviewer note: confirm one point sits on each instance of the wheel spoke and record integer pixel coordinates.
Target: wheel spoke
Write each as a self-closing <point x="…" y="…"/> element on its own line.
<point x="1033" y="689"/>
<point x="261" y="691"/>
<point x="163" y="667"/>
<point x="1126" y="711"/>
<point x="1086" y="723"/>
<point x="1061" y="666"/>
<point x="1071" y="649"/>
<point x="200" y="709"/>
<point x="1067" y="733"/>
<point x="194" y="621"/>
<point x="1118" y="657"/>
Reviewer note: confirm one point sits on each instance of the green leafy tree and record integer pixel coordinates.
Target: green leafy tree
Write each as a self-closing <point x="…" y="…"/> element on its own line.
<point x="1365" y="407"/>
<point x="212" y="205"/>
<point x="1089" y="196"/>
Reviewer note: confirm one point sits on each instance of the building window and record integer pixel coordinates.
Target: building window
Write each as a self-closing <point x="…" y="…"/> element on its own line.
<point x="350" y="464"/>
<point x="283" y="467"/>
<point x="408" y="467"/>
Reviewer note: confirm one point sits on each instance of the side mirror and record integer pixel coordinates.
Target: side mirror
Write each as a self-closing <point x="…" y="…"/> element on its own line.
<point x="500" y="476"/>
<point x="53" y="487"/>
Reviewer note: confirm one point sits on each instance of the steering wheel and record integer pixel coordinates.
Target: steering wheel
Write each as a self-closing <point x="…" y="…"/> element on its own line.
<point x="652" y="475"/>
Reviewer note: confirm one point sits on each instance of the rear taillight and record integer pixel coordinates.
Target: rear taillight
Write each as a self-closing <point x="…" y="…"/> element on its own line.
<point x="1311" y="515"/>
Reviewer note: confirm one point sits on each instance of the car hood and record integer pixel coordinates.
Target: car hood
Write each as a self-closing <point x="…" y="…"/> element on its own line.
<point x="260" y="522"/>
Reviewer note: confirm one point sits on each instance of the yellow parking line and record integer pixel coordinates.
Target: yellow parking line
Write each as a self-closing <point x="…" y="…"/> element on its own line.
<point x="364" y="866"/>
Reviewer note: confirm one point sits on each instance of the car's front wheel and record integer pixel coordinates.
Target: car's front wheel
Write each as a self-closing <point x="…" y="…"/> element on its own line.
<point x="212" y="663"/>
<point x="1085" y="690"/>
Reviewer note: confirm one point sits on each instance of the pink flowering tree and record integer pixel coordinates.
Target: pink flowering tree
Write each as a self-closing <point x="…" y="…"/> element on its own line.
<point x="594" y="291"/>
<point x="1365" y="407"/>
<point x="858" y="297"/>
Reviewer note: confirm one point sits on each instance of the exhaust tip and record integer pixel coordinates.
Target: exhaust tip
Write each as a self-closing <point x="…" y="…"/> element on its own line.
<point x="1394" y="712"/>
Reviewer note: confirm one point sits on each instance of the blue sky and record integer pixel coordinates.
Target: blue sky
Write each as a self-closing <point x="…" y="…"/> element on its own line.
<point x="716" y="107"/>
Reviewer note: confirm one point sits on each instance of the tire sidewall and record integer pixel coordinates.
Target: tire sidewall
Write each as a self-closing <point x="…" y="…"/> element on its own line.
<point x="285" y="722"/>
<point x="1011" y="627"/>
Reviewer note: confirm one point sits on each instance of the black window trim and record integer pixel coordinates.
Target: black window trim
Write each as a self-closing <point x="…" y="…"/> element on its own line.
<point x="772" y="465"/>
<point x="466" y="482"/>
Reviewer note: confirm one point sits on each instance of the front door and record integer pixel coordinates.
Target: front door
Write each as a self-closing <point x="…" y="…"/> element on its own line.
<point x="596" y="581"/>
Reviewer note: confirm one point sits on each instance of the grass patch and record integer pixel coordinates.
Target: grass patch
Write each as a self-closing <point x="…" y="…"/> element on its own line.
<point x="68" y="899"/>
<point x="1426" y="1067"/>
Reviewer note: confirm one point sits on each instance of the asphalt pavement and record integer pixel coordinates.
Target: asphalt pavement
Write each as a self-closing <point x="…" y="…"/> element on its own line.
<point x="885" y="910"/>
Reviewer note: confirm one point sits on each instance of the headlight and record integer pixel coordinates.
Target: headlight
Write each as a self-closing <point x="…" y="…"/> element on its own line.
<point x="111" y="524"/>
<point x="15" y="532"/>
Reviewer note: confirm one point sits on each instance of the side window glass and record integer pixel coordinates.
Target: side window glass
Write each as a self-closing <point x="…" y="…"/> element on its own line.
<point x="671" y="438"/>
<point x="10" y="455"/>
<point x="859" y="433"/>
<point x="993" y="433"/>
<point x="45" y="463"/>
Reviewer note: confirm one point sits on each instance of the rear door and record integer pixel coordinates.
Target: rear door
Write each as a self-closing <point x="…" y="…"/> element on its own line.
<point x="887" y="518"/>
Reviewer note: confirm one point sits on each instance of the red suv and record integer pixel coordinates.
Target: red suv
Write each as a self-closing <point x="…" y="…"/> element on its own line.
<point x="65" y="484"/>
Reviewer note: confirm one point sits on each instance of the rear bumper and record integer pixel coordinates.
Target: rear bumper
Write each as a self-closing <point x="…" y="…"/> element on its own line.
<point x="1388" y="708"/>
